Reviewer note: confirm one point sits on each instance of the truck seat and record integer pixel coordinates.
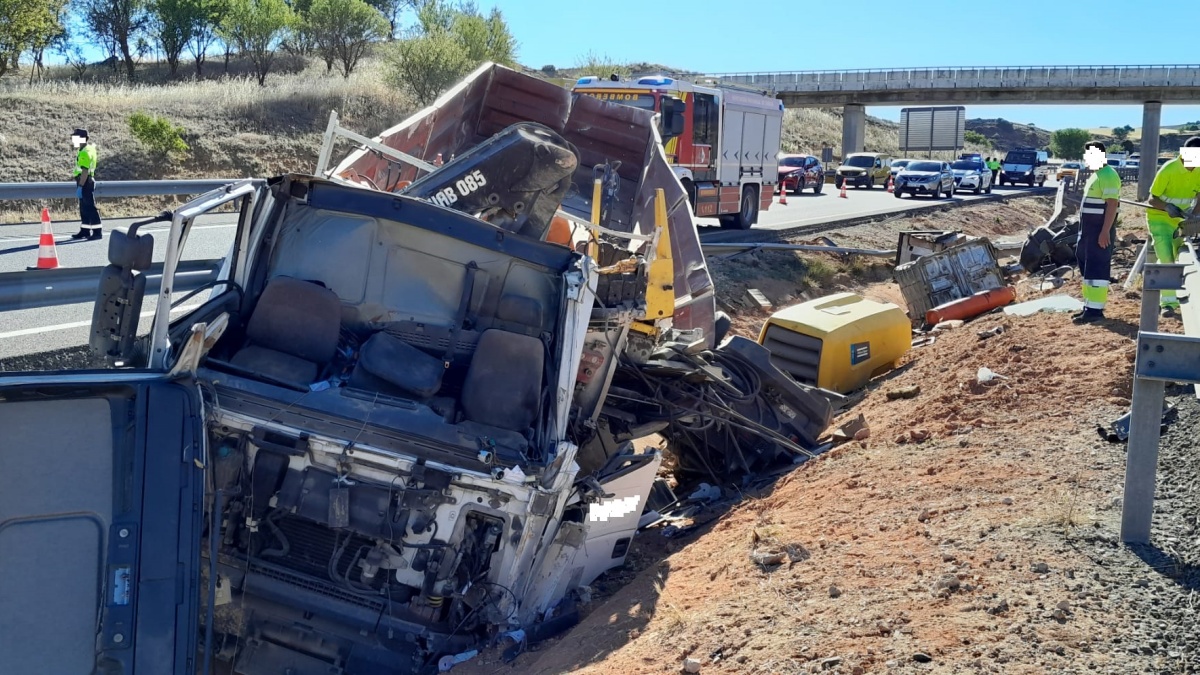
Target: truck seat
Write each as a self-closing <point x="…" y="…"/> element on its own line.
<point x="293" y="332"/>
<point x="503" y="386"/>
<point x="389" y="365"/>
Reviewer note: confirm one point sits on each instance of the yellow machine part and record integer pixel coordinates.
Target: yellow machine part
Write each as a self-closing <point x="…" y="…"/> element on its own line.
<point x="838" y="342"/>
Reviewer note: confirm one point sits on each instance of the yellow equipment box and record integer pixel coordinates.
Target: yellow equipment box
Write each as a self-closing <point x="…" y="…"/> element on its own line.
<point x="838" y="342"/>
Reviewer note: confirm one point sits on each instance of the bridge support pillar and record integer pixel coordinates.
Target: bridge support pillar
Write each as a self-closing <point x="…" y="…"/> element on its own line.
<point x="1148" y="166"/>
<point x="854" y="128"/>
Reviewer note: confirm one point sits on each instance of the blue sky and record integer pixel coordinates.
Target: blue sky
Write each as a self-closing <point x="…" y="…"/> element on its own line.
<point x="733" y="35"/>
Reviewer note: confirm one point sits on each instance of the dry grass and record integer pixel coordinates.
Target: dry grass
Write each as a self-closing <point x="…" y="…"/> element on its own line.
<point x="235" y="127"/>
<point x="806" y="130"/>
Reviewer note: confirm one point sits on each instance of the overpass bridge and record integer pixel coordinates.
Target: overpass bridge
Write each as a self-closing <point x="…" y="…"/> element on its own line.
<point x="853" y="90"/>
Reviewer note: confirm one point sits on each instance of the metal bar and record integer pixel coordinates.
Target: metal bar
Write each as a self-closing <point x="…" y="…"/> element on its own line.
<point x="1137" y="265"/>
<point x="113" y="188"/>
<point x="1141" y="456"/>
<point x="715" y="247"/>
<point x="380" y="147"/>
<point x="46" y="288"/>
<point x="1168" y="357"/>
<point x="1163" y="276"/>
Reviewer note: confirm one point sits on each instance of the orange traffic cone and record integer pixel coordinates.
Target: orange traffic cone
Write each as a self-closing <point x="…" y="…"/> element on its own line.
<point x="891" y="188"/>
<point x="843" y="195"/>
<point x="47" y="253"/>
<point x="782" y="194"/>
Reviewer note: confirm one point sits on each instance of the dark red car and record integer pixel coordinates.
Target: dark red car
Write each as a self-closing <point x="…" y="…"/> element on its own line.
<point x="799" y="172"/>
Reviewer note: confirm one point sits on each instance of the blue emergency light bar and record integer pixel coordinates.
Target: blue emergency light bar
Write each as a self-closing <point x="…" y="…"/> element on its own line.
<point x="656" y="81"/>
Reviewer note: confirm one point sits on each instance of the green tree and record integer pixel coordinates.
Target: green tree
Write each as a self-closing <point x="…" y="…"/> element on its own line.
<point x="343" y="29"/>
<point x="300" y="39"/>
<point x="28" y="25"/>
<point x="1122" y="133"/>
<point x="172" y="25"/>
<point x="205" y="23"/>
<point x="390" y="9"/>
<point x="256" y="28"/>
<point x="977" y="138"/>
<point x="118" y="25"/>
<point x="447" y="43"/>
<point x="1068" y="143"/>
<point x="426" y="64"/>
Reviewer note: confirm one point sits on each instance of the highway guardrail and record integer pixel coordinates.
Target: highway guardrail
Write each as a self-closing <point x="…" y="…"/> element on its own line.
<point x="66" y="286"/>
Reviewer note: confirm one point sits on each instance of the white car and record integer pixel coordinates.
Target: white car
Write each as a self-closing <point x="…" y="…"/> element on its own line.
<point x="971" y="174"/>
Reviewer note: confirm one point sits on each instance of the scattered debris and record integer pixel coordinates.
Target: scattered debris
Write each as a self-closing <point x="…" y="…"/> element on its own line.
<point x="991" y="332"/>
<point x="972" y="306"/>
<point x="922" y="657"/>
<point x="447" y="662"/>
<point x="985" y="375"/>
<point x="1039" y="568"/>
<point x="949" y="324"/>
<point x="834" y="591"/>
<point x="904" y="392"/>
<point x="959" y="271"/>
<point x="852" y="430"/>
<point x="1050" y="303"/>
<point x="691" y="665"/>
<point x="757" y="295"/>
<point x="924" y="341"/>
<point x="705" y="493"/>
<point x="1119" y="432"/>
<point x="831" y="662"/>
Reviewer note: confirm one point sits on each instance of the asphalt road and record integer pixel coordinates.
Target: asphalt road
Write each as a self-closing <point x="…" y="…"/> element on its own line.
<point x="810" y="209"/>
<point x="49" y="328"/>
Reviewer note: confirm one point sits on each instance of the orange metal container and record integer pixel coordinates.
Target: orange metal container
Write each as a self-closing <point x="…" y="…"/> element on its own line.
<point x="969" y="308"/>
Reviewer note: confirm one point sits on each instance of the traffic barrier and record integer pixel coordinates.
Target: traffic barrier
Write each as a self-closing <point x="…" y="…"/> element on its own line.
<point x="47" y="253"/>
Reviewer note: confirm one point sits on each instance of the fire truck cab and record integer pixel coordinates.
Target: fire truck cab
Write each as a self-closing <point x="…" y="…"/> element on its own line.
<point x="722" y="142"/>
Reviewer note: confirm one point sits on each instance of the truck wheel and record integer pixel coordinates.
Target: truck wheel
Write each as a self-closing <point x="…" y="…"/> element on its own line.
<point x="748" y="214"/>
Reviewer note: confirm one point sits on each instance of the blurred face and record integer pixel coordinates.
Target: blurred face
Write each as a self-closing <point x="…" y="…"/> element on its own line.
<point x="77" y="141"/>
<point x="1190" y="156"/>
<point x="1093" y="158"/>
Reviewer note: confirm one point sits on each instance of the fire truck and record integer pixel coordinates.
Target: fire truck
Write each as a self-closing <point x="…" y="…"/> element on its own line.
<point x="722" y="142"/>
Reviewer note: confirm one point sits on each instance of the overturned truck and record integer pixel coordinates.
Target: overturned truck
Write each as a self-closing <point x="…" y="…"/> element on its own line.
<point x="398" y="425"/>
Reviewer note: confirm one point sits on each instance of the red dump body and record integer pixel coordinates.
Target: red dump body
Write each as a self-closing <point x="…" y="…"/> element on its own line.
<point x="494" y="97"/>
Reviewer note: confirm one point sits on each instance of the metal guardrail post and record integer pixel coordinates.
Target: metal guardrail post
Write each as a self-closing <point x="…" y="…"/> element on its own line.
<point x="1141" y="458"/>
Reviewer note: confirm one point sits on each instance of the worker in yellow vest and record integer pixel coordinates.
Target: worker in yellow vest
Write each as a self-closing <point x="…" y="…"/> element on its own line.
<point x="1097" y="217"/>
<point x="1173" y="198"/>
<point x="90" y="226"/>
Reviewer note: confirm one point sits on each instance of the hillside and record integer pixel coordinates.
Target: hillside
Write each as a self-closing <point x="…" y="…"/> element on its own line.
<point x="1006" y="135"/>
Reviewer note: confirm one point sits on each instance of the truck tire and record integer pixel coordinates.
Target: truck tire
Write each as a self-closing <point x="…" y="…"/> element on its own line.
<point x="748" y="214"/>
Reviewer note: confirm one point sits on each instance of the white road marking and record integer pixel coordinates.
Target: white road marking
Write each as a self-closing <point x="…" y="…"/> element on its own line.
<point x="79" y="324"/>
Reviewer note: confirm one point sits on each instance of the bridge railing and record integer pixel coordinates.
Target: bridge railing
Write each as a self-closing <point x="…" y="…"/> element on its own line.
<point x="962" y="78"/>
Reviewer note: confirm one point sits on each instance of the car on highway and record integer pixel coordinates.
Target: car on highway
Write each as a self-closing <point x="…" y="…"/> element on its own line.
<point x="1025" y="165"/>
<point x="800" y="172"/>
<point x="898" y="164"/>
<point x="1133" y="164"/>
<point x="1068" y="169"/>
<point x="925" y="177"/>
<point x="971" y="174"/>
<point x="864" y="169"/>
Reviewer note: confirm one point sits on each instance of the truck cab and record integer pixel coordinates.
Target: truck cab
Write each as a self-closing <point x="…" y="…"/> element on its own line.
<point x="722" y="142"/>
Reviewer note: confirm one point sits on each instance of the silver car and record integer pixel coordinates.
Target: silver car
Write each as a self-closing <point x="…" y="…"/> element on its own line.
<point x="971" y="174"/>
<point x="925" y="177"/>
<point x="898" y="164"/>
